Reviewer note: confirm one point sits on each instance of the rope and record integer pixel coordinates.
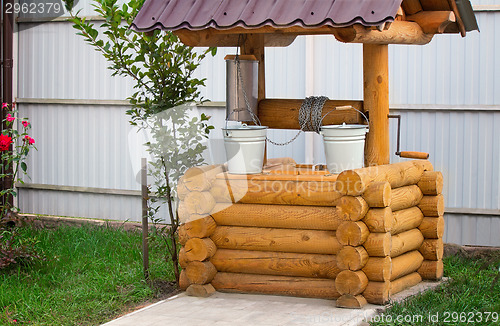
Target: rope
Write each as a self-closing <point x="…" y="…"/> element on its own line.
<point x="309" y="117"/>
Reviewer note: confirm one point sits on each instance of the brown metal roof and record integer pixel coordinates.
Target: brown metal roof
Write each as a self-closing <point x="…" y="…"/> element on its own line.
<point x="226" y="14"/>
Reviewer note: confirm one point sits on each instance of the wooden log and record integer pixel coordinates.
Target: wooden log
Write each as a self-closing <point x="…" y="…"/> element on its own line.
<point x="404" y="283"/>
<point x="406" y="219"/>
<point x="355" y="182"/>
<point x="432" y="249"/>
<point x="184" y="281"/>
<point x="284" y="113"/>
<point x="351" y="301"/>
<point x="399" y="32"/>
<point x="182" y="213"/>
<point x="211" y="37"/>
<point x="411" y="6"/>
<point x="199" y="249"/>
<point x="268" y="239"/>
<point x="200" y="272"/>
<point x="275" y="263"/>
<point x="352" y="208"/>
<point x="276" y="192"/>
<point x="405" y="197"/>
<point x="431" y="183"/>
<point x="432" y="205"/>
<point x="432" y="227"/>
<point x="277" y="216"/>
<point x="199" y="202"/>
<point x="279" y="160"/>
<point x="406" y="264"/>
<point x="406" y="241"/>
<point x="433" y="22"/>
<point x="182" y="235"/>
<point x="377" y="292"/>
<point x="202" y="291"/>
<point x="352" y="233"/>
<point x="378" y="268"/>
<point x="351" y="282"/>
<point x="431" y="270"/>
<point x="182" y="191"/>
<point x="199" y="178"/>
<point x="378" y="244"/>
<point x="379" y="219"/>
<point x="201" y="227"/>
<point x="378" y="194"/>
<point x="253" y="44"/>
<point x="277" y="285"/>
<point x="321" y="176"/>
<point x="352" y="258"/>
<point x="183" y="261"/>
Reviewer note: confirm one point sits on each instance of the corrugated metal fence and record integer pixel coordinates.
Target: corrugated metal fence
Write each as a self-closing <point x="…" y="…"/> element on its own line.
<point x="448" y="93"/>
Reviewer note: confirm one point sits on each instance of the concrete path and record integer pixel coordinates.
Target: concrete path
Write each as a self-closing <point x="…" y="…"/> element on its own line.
<point x="230" y="309"/>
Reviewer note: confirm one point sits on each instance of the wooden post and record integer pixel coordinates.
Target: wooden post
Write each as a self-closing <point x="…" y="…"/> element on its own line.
<point x="254" y="44"/>
<point x="144" y="191"/>
<point x="376" y="101"/>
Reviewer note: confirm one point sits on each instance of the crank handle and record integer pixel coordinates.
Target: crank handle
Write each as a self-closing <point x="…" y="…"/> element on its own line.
<point x="415" y="155"/>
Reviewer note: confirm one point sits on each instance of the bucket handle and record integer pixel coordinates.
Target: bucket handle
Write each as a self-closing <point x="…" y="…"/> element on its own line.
<point x="346" y="107"/>
<point x="255" y="119"/>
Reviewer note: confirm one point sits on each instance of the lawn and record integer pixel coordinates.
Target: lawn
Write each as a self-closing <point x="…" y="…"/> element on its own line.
<point x="471" y="297"/>
<point x="90" y="275"/>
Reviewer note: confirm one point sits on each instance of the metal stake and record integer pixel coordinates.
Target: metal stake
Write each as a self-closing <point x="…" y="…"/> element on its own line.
<point x="144" y="190"/>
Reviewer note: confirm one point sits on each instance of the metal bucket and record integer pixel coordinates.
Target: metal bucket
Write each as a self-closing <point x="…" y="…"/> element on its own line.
<point x="344" y="146"/>
<point x="236" y="107"/>
<point x="245" y="148"/>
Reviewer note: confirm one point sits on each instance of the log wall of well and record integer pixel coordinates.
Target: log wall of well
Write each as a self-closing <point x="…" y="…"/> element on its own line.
<point x="360" y="236"/>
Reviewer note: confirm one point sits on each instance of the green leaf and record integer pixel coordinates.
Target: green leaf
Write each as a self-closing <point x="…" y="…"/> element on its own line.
<point x="24" y="166"/>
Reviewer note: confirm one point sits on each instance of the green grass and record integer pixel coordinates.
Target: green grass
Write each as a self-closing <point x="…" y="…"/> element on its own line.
<point x="90" y="275"/>
<point x="472" y="293"/>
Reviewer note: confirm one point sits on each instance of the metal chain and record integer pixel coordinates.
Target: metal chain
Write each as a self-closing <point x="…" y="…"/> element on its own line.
<point x="309" y="112"/>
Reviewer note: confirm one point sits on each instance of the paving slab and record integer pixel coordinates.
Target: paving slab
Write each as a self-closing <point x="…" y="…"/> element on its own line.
<point x="234" y="309"/>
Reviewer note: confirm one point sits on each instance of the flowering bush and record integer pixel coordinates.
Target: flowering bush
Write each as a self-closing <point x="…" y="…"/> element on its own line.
<point x="13" y="161"/>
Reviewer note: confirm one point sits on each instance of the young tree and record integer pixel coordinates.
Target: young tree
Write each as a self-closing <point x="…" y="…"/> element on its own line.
<point x="162" y="68"/>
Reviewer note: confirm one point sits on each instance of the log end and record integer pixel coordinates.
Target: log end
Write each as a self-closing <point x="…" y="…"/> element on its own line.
<point x="202" y="291"/>
<point x="351" y="301"/>
<point x="350" y="282"/>
<point x="352" y="233"/>
<point x="352" y="258"/>
<point x="350" y="183"/>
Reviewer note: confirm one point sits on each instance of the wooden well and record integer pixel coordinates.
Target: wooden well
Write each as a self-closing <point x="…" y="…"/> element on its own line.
<point x="360" y="236"/>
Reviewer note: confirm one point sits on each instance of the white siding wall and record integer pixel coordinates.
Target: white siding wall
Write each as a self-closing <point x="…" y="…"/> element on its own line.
<point x="437" y="88"/>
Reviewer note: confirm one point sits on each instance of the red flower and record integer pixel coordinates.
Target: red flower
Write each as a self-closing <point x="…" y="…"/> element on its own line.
<point x="5" y="142"/>
<point x="25" y="123"/>
<point x="5" y="105"/>
<point x="10" y="118"/>
<point x="30" y="140"/>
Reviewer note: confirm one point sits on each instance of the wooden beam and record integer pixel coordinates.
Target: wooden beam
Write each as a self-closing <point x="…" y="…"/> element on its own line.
<point x="212" y="37"/>
<point x="284" y="113"/>
<point x="376" y="101"/>
<point x="460" y="23"/>
<point x="400" y="32"/>
<point x="433" y="22"/>
<point x="253" y="44"/>
<point x="411" y="6"/>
